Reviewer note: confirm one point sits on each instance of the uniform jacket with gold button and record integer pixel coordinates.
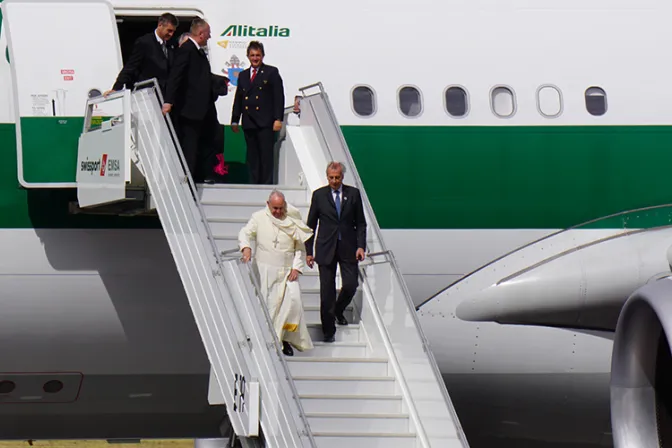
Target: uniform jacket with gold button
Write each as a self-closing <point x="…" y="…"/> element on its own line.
<point x="260" y="102"/>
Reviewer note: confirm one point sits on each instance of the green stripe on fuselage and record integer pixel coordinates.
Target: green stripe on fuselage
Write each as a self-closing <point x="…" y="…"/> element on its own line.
<point x="510" y="177"/>
<point x="449" y="177"/>
<point x="46" y="208"/>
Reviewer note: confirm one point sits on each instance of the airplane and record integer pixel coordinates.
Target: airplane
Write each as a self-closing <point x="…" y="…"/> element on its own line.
<point x="477" y="127"/>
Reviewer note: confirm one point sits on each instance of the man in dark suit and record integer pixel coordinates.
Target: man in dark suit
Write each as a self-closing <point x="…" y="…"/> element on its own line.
<point x="151" y="57"/>
<point x="220" y="87"/>
<point x="260" y="100"/>
<point x="341" y="240"/>
<point x="190" y="97"/>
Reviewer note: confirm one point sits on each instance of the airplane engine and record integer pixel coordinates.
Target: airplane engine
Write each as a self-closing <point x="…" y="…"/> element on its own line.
<point x="641" y="369"/>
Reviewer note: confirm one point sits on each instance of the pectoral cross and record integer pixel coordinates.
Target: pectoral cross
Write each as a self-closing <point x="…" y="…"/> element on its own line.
<point x="275" y="241"/>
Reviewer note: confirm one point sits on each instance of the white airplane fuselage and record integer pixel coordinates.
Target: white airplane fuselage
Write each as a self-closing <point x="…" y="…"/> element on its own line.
<point x="565" y="118"/>
<point x="107" y="306"/>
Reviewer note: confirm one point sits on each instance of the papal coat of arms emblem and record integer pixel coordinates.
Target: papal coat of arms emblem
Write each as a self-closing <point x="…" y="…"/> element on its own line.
<point x="233" y="68"/>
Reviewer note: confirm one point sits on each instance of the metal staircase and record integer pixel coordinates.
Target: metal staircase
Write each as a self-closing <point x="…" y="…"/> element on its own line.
<point x="376" y="386"/>
<point x="348" y="391"/>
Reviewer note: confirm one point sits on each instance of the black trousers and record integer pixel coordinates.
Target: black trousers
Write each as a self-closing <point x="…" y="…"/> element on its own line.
<point x="197" y="138"/>
<point x="330" y="306"/>
<point x="260" y="154"/>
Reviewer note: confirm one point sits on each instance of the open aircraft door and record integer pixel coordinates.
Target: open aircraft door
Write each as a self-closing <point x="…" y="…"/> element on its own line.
<point x="62" y="53"/>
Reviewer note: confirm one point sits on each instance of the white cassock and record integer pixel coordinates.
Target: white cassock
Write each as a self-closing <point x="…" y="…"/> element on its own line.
<point x="280" y="248"/>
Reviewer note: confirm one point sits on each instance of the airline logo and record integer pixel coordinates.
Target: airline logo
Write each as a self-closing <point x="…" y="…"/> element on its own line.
<point x="251" y="31"/>
<point x="103" y="165"/>
<point x="90" y="166"/>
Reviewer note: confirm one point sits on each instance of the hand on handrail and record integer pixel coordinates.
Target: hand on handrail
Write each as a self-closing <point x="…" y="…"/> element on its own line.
<point x="247" y="254"/>
<point x="377" y="254"/>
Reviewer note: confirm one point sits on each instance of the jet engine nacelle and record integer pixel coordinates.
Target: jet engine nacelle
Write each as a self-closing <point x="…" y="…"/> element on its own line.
<point x="641" y="369"/>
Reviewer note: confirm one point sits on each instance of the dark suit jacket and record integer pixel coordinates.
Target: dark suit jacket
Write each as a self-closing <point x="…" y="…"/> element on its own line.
<point x="189" y="87"/>
<point x="260" y="102"/>
<point x="352" y="225"/>
<point x="220" y="86"/>
<point x="147" y="61"/>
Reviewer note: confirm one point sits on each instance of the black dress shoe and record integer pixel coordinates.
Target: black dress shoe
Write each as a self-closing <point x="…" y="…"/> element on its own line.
<point x="329" y="338"/>
<point x="287" y="349"/>
<point x="341" y="319"/>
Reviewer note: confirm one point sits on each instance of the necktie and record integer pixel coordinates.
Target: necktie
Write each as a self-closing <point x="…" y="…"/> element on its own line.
<point x="254" y="74"/>
<point x="164" y="48"/>
<point x="337" y="201"/>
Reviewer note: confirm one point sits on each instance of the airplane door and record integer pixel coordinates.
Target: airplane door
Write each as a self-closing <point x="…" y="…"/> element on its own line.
<point x="61" y="53"/>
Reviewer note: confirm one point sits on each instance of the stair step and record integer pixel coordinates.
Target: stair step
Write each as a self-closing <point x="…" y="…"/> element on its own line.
<point x="251" y="193"/>
<point x="343" y="333"/>
<point x="225" y="242"/>
<point x="312" y="313"/>
<point x="342" y="385"/>
<point x="310" y="297"/>
<point x="226" y="226"/>
<point x="357" y="404"/>
<point x="325" y="366"/>
<point x="228" y="209"/>
<point x="358" y="423"/>
<point x="310" y="286"/>
<point x="335" y="350"/>
<point x="355" y="440"/>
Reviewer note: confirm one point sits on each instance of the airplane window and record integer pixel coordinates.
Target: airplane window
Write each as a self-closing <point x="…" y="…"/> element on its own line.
<point x="503" y="102"/>
<point x="363" y="101"/>
<point x="596" y="101"/>
<point x="549" y="101"/>
<point x="410" y="101"/>
<point x="456" y="101"/>
<point x="7" y="387"/>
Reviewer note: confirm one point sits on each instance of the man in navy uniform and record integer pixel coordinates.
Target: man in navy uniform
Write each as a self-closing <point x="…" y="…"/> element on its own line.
<point x="151" y="57"/>
<point x="260" y="100"/>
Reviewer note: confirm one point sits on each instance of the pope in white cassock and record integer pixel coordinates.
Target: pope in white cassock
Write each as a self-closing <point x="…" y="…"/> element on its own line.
<point x="280" y="257"/>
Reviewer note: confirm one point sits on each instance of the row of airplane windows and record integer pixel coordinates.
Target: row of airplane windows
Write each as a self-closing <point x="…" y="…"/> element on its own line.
<point x="456" y="101"/>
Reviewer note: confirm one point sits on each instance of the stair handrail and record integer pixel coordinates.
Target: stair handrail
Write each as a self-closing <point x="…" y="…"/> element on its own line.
<point x="190" y="181"/>
<point x="373" y="224"/>
<point x="239" y="335"/>
<point x="256" y="284"/>
<point x="387" y="342"/>
<point x="155" y="86"/>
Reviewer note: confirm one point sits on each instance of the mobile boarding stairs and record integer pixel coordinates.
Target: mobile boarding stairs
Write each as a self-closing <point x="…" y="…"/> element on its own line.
<point x="378" y="385"/>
